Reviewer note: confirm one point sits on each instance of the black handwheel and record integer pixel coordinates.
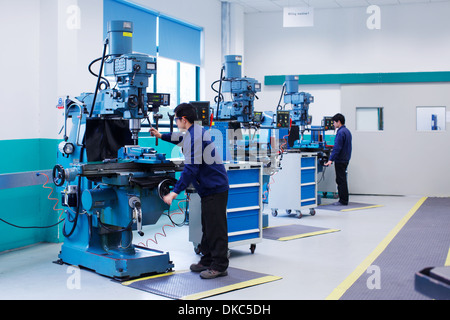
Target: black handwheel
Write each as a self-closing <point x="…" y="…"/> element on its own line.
<point x="165" y="187"/>
<point x="58" y="175"/>
<point x="133" y="101"/>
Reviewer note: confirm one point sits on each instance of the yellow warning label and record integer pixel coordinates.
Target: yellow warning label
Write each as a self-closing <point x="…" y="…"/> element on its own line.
<point x="128" y="34"/>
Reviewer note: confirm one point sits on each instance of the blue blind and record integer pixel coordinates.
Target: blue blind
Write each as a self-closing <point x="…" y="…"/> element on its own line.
<point x="144" y="23"/>
<point x="179" y="41"/>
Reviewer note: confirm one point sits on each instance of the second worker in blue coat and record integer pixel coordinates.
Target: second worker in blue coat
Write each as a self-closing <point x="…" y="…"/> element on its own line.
<point x="341" y="154"/>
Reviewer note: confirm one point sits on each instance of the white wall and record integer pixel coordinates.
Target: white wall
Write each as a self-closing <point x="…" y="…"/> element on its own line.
<point x="398" y="160"/>
<point x="237" y="31"/>
<point x="412" y="38"/>
<point x="19" y="62"/>
<point x="43" y="59"/>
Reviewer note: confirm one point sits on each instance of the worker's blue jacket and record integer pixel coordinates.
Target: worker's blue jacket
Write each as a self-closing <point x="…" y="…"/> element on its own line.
<point x="203" y="165"/>
<point x="342" y="149"/>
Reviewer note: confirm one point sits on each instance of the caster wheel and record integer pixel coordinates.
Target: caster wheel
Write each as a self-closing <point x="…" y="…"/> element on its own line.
<point x="288" y="211"/>
<point x="300" y="215"/>
<point x="274" y="212"/>
<point x="197" y="249"/>
<point x="252" y="248"/>
<point x="312" y="212"/>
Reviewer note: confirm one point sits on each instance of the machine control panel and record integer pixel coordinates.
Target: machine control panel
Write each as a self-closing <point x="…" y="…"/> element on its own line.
<point x="327" y="123"/>
<point x="203" y="112"/>
<point x="257" y="116"/>
<point x="158" y="99"/>
<point x="283" y="119"/>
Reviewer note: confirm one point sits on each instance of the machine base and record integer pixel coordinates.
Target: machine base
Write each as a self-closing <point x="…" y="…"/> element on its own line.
<point x="117" y="265"/>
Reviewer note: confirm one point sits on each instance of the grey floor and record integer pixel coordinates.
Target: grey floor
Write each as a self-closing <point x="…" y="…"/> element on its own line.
<point x="311" y="268"/>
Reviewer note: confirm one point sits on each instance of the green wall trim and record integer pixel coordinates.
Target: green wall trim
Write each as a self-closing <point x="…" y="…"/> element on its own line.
<point x="363" y="78"/>
<point x="28" y="155"/>
<point x="29" y="205"/>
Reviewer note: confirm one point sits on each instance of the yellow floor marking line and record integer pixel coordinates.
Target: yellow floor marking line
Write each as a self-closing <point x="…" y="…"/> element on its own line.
<point x="361" y="208"/>
<point x="348" y="282"/>
<point x="231" y="287"/>
<point x="127" y="283"/>
<point x="309" y="234"/>
<point x="447" y="261"/>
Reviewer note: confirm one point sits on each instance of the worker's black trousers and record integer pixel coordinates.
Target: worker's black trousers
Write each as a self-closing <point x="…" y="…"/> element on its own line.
<point x="341" y="181"/>
<point x="214" y="245"/>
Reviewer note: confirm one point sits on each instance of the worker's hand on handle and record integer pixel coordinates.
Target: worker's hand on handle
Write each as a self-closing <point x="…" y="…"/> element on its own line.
<point x="155" y="133"/>
<point x="170" y="197"/>
<point x="328" y="163"/>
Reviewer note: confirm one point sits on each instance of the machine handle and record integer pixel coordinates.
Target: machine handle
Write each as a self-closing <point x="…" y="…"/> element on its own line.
<point x="135" y="203"/>
<point x="156" y="117"/>
<point x="171" y="118"/>
<point x="58" y="175"/>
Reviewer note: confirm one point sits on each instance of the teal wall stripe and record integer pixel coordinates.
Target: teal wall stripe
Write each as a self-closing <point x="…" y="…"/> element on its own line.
<point x="360" y="78"/>
<point x="28" y="155"/>
<point x="28" y="206"/>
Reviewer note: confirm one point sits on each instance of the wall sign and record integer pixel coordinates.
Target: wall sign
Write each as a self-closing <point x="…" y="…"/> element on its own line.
<point x="298" y="17"/>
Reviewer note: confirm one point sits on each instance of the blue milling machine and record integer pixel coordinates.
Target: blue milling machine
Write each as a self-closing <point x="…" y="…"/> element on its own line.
<point x="242" y="90"/>
<point x="110" y="185"/>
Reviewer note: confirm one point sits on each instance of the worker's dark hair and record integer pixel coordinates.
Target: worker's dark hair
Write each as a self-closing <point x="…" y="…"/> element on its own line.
<point x="186" y="110"/>
<point x="338" y="117"/>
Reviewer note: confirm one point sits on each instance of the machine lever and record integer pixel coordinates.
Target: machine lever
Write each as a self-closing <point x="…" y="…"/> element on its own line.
<point x="138" y="212"/>
<point x="171" y="118"/>
<point x="135" y="203"/>
<point x="156" y="117"/>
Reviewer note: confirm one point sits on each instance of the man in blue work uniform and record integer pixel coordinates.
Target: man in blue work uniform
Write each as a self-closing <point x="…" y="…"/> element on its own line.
<point x="204" y="169"/>
<point x="341" y="154"/>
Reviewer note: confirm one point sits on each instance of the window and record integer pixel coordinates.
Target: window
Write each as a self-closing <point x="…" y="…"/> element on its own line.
<point x="369" y="119"/>
<point x="179" y="79"/>
<point x="188" y="82"/>
<point x="430" y="118"/>
<point x="166" y="79"/>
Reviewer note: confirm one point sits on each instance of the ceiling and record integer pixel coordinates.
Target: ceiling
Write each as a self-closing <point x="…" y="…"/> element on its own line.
<point x="254" y="6"/>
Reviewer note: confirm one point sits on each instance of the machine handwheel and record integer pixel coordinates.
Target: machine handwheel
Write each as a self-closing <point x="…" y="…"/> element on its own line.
<point x="165" y="187"/>
<point x="58" y="175"/>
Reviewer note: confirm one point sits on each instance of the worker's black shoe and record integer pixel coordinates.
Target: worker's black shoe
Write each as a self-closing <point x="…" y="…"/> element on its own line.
<point x="198" y="267"/>
<point x="211" y="274"/>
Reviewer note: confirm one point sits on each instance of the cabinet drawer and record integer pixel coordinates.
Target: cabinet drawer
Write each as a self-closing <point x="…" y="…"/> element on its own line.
<point x="243" y="197"/>
<point x="243" y="176"/>
<point x="243" y="220"/>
